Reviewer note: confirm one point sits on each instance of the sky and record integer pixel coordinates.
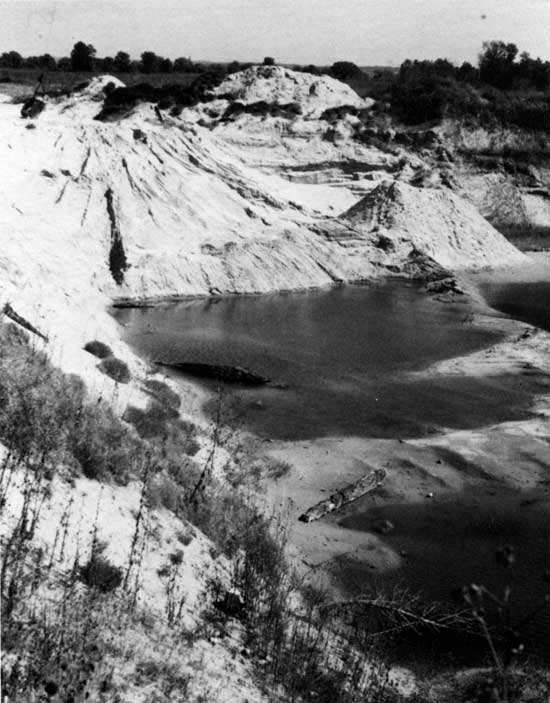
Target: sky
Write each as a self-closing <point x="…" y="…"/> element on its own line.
<point x="367" y="32"/>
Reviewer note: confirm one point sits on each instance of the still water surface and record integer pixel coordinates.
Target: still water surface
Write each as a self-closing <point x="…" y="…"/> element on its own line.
<point x="343" y="354"/>
<point x="527" y="301"/>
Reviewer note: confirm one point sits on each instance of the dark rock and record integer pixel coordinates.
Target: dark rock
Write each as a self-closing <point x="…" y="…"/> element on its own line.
<point x="403" y="138"/>
<point x="140" y="136"/>
<point x="231" y="604"/>
<point x="32" y="107"/>
<point x="384" y="527"/>
<point x="385" y="243"/>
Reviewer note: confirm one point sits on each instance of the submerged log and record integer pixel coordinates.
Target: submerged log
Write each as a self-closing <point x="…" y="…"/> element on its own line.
<point x="337" y="500"/>
<point x="221" y="372"/>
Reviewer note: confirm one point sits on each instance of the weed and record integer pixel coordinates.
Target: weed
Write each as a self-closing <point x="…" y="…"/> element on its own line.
<point x="493" y="613"/>
<point x="185" y="536"/>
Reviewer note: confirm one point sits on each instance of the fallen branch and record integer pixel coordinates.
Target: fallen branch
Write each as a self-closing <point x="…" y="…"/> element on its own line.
<point x="404" y="618"/>
<point x="10" y="312"/>
<point x="337" y="500"/>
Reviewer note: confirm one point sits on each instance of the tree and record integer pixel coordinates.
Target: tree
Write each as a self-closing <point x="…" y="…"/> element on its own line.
<point x="496" y="63"/>
<point x="82" y="57"/>
<point x="11" y="59"/>
<point x="314" y="70"/>
<point x="183" y="65"/>
<point x="467" y="73"/>
<point x="233" y="67"/>
<point x="122" y="62"/>
<point x="107" y="64"/>
<point x="165" y="66"/>
<point x="31" y="62"/>
<point x="269" y="61"/>
<point x="533" y="73"/>
<point x="47" y="62"/>
<point x="344" y="70"/>
<point x="64" y="64"/>
<point x="149" y="62"/>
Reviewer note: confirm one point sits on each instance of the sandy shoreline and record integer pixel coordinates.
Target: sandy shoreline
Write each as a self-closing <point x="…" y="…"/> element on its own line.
<point x="510" y="456"/>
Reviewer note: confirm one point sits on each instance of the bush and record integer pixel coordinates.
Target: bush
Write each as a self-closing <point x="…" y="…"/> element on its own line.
<point x="162" y="491"/>
<point x="44" y="415"/>
<point x="116" y="369"/>
<point x="37" y="403"/>
<point x="163" y="393"/>
<point x="151" y="422"/>
<point x="345" y="70"/>
<point x="99" y="349"/>
<point x="103" y="446"/>
<point x="99" y="573"/>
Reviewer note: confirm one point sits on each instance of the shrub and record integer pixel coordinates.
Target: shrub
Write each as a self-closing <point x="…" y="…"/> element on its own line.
<point x="163" y="393"/>
<point x="103" y="446"/>
<point x="44" y="415"/>
<point x="345" y="70"/>
<point x="99" y="349"/>
<point x="151" y="422"/>
<point x="60" y="649"/>
<point x="116" y="369"/>
<point x="276" y="468"/>
<point x="162" y="491"/>
<point x="37" y="403"/>
<point x="99" y="573"/>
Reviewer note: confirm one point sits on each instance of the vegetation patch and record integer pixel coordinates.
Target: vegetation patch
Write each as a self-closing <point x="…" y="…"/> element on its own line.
<point x="99" y="573"/>
<point x="116" y="369"/>
<point x="98" y="349"/>
<point x="262" y="109"/>
<point x="163" y="393"/>
<point x="45" y="416"/>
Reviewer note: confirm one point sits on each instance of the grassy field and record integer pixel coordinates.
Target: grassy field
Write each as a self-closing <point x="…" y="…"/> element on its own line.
<point x="21" y="81"/>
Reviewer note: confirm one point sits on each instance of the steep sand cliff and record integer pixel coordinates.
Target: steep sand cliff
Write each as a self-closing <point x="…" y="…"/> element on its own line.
<point x="139" y="209"/>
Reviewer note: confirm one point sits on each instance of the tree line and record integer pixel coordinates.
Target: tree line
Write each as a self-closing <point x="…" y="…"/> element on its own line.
<point x="83" y="58"/>
<point x="500" y="65"/>
<point x="505" y="86"/>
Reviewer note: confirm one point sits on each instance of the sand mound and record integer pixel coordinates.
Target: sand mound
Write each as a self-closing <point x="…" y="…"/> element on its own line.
<point x="142" y="209"/>
<point x="99" y="86"/>
<point x="85" y="103"/>
<point x="279" y="85"/>
<point x="436" y="222"/>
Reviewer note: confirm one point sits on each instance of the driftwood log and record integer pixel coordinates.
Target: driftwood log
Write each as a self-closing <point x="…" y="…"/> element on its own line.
<point x="337" y="500"/>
